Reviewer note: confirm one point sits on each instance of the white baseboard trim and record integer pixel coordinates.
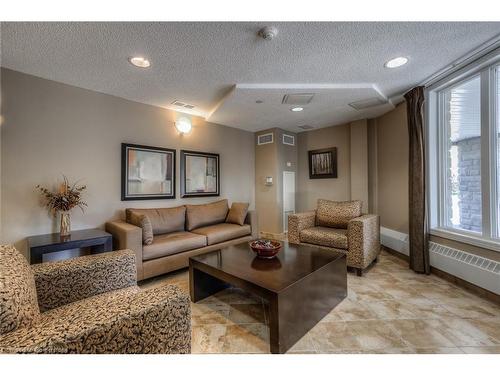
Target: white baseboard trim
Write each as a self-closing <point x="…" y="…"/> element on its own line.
<point x="394" y="240"/>
<point x="469" y="267"/>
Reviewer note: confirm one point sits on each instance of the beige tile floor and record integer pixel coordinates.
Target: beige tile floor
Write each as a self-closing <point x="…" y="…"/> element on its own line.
<point x="388" y="310"/>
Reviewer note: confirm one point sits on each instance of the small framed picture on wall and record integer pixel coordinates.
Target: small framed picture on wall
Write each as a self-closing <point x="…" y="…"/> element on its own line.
<point x="200" y="174"/>
<point x="323" y="163"/>
<point x="147" y="172"/>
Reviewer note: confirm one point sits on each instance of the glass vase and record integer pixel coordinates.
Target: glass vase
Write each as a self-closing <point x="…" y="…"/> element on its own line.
<point x="65" y="224"/>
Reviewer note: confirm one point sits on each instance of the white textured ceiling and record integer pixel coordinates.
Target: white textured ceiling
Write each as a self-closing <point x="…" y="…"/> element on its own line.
<point x="330" y="105"/>
<point x="200" y="63"/>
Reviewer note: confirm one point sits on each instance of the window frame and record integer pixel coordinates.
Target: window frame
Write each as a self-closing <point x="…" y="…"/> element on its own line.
<point x="487" y="67"/>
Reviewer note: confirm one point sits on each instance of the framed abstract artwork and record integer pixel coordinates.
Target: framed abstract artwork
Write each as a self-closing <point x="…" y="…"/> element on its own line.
<point x="147" y="172"/>
<point x="323" y="163"/>
<point x="200" y="174"/>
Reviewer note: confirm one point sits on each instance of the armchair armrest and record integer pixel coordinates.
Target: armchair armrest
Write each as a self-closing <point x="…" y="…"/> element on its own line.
<point x="60" y="283"/>
<point x="363" y="235"/>
<point x="156" y="320"/>
<point x="299" y="222"/>
<point x="127" y="236"/>
<point x="253" y="221"/>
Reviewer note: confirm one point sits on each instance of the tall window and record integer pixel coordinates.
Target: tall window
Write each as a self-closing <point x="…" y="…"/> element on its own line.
<point x="497" y="136"/>
<point x="462" y="120"/>
<point x="464" y="157"/>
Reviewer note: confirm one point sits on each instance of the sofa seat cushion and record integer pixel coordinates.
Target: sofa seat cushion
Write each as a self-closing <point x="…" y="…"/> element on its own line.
<point x="325" y="236"/>
<point x="337" y="214"/>
<point x="172" y="243"/>
<point x="223" y="232"/>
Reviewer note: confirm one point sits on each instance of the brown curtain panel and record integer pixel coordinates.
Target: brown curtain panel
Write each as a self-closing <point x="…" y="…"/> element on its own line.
<point x="419" y="238"/>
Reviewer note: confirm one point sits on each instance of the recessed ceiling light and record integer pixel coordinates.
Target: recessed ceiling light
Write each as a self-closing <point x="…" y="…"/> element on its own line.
<point x="140" y="62"/>
<point x="296" y="109"/>
<point x="396" y="62"/>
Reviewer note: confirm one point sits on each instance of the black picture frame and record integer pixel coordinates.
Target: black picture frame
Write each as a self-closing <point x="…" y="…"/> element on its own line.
<point x="323" y="163"/>
<point x="185" y="193"/>
<point x="170" y="171"/>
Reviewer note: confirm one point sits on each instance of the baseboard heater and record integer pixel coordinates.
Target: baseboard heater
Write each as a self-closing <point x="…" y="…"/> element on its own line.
<point x="472" y="268"/>
<point x="475" y="269"/>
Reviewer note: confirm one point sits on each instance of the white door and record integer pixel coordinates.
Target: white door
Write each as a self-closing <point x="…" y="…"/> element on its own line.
<point x="288" y="197"/>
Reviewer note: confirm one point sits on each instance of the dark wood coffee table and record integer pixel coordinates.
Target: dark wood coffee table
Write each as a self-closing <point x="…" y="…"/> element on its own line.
<point x="302" y="284"/>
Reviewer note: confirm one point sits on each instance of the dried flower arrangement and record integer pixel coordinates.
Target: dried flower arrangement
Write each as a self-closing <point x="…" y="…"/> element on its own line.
<point x="66" y="198"/>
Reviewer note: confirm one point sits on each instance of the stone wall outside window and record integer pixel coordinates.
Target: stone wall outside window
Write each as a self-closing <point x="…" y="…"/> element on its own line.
<point x="469" y="183"/>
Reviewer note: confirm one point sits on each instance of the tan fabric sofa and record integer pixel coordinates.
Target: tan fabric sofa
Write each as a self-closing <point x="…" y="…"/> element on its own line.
<point x="341" y="226"/>
<point x="89" y="304"/>
<point x="172" y="235"/>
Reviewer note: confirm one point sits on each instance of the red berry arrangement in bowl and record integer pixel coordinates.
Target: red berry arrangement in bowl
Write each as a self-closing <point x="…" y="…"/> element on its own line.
<point x="266" y="248"/>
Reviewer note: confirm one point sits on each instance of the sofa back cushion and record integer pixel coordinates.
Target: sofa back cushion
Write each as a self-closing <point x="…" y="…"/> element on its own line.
<point x="200" y="215"/>
<point x="18" y="300"/>
<point x="336" y="214"/>
<point x="237" y="213"/>
<point x="163" y="220"/>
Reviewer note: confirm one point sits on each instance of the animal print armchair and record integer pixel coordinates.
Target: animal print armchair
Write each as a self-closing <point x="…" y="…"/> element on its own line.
<point x="89" y="304"/>
<point x="339" y="225"/>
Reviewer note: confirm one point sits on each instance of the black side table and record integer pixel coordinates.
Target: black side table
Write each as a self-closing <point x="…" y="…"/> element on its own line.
<point x="98" y="240"/>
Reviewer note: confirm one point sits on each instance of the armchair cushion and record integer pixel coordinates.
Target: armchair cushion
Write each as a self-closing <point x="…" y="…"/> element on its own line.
<point x="59" y="283"/>
<point x="156" y="320"/>
<point x="18" y="299"/>
<point x="337" y="214"/>
<point x="324" y="236"/>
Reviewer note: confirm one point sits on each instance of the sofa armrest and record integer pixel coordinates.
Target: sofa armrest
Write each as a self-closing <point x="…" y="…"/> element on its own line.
<point x="253" y="221"/>
<point x="66" y="281"/>
<point x="299" y="222"/>
<point x="156" y="320"/>
<point x="127" y="236"/>
<point x="363" y="235"/>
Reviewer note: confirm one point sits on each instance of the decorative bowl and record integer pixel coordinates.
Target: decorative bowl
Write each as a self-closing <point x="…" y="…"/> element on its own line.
<point x="266" y="249"/>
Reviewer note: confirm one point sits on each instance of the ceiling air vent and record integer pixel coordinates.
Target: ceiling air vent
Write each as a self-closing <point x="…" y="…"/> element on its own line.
<point x="182" y="104"/>
<point x="265" y="139"/>
<point x="306" y="127"/>
<point x="297" y="99"/>
<point x="288" y="140"/>
<point x="367" y="103"/>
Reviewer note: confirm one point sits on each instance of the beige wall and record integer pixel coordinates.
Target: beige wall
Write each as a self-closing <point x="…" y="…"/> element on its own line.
<point x="271" y="160"/>
<point x="286" y="155"/>
<point x="372" y="166"/>
<point x="392" y="169"/>
<point x="359" y="162"/>
<point x="267" y="197"/>
<point x="51" y="128"/>
<point x="308" y="190"/>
